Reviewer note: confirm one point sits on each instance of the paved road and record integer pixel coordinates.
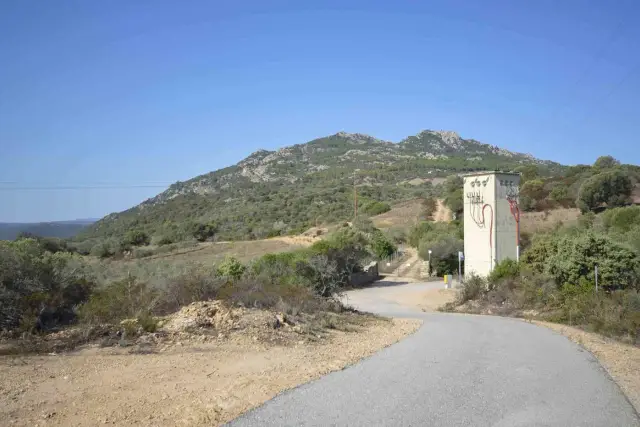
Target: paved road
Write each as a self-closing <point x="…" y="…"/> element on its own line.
<point x="457" y="370"/>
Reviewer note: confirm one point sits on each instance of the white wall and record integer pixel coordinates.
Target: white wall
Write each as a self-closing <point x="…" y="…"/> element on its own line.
<point x="489" y="227"/>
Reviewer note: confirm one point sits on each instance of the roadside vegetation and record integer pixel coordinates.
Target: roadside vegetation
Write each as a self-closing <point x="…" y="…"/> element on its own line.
<point x="45" y="285"/>
<point x="556" y="277"/>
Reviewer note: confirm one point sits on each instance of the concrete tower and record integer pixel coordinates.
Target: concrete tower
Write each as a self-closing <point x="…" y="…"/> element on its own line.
<point x="491" y="220"/>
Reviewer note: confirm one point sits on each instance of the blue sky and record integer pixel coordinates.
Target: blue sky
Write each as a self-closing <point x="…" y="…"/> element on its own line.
<point x="134" y="95"/>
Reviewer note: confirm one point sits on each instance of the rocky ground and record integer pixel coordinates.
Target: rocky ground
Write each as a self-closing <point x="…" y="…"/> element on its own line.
<point x="205" y="365"/>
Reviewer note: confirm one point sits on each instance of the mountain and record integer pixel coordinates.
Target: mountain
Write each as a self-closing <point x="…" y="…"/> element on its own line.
<point x="62" y="229"/>
<point x="284" y="191"/>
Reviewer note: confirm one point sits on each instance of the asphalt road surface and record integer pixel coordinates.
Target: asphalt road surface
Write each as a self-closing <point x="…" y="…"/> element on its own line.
<point x="456" y="370"/>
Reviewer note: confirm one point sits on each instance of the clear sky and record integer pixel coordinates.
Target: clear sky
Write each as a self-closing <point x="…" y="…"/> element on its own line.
<point x="134" y="95"/>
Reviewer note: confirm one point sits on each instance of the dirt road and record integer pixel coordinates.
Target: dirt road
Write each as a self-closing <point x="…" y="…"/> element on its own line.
<point x="185" y="384"/>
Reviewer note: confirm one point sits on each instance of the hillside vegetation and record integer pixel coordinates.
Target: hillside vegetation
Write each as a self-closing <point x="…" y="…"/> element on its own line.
<point x="282" y="192"/>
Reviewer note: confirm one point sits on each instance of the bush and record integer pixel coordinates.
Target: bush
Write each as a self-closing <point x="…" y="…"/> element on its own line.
<point x="103" y="250"/>
<point x="472" y="289"/>
<point x="124" y="299"/>
<point x="135" y="238"/>
<point x="576" y="258"/>
<point x="381" y="246"/>
<point x="202" y="232"/>
<point x="444" y="253"/>
<point x="539" y="252"/>
<point x="376" y="208"/>
<point x="611" y="188"/>
<point x="38" y="289"/>
<point x="164" y="240"/>
<point x="231" y="268"/>
<point x="621" y="219"/>
<point x="196" y="284"/>
<point x="505" y="269"/>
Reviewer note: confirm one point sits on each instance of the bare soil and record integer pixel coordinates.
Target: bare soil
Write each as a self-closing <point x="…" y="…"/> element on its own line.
<point x="622" y="361"/>
<point x="404" y="214"/>
<point x="407" y="214"/>
<point x="190" y="378"/>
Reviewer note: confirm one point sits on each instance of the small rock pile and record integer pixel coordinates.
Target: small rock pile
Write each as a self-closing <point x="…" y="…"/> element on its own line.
<point x="203" y="314"/>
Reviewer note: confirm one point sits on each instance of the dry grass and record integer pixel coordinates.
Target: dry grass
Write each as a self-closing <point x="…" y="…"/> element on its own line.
<point x="536" y="222"/>
<point x="244" y="251"/>
<point x="407" y="214"/>
<point x="404" y="214"/>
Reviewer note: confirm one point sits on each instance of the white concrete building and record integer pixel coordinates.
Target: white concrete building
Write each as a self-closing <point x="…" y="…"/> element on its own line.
<point x="491" y="222"/>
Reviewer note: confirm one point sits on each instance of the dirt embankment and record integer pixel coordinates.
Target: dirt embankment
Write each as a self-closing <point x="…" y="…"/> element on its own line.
<point x="205" y="366"/>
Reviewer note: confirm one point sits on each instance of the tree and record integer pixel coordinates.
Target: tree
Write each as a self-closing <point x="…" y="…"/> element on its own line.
<point x="527" y="173"/>
<point x="534" y="191"/>
<point x="606" y="162"/>
<point x="381" y="246"/>
<point x="136" y="238"/>
<point x="453" y="183"/>
<point x="201" y="232"/>
<point x="455" y="202"/>
<point x="560" y="194"/>
<point x="611" y="188"/>
<point x="444" y="253"/>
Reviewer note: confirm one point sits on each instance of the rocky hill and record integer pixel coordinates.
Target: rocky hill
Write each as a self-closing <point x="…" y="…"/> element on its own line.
<point x="284" y="191"/>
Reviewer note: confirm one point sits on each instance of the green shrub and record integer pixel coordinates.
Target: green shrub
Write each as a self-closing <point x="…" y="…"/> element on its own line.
<point x="195" y="284"/>
<point x="539" y="252"/>
<point x="102" y="250"/>
<point x="611" y="188"/>
<point x="381" y="246"/>
<point x="201" y="231"/>
<point x="472" y="289"/>
<point x="135" y="238"/>
<point x="231" y="268"/>
<point x="506" y="269"/>
<point x="164" y="240"/>
<point x="419" y="231"/>
<point x="621" y="219"/>
<point x="124" y="299"/>
<point x="376" y="208"/>
<point x="444" y="253"/>
<point x="577" y="256"/>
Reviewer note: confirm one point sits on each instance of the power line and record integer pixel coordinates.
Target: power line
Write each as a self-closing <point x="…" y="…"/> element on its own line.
<point x="78" y="187"/>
